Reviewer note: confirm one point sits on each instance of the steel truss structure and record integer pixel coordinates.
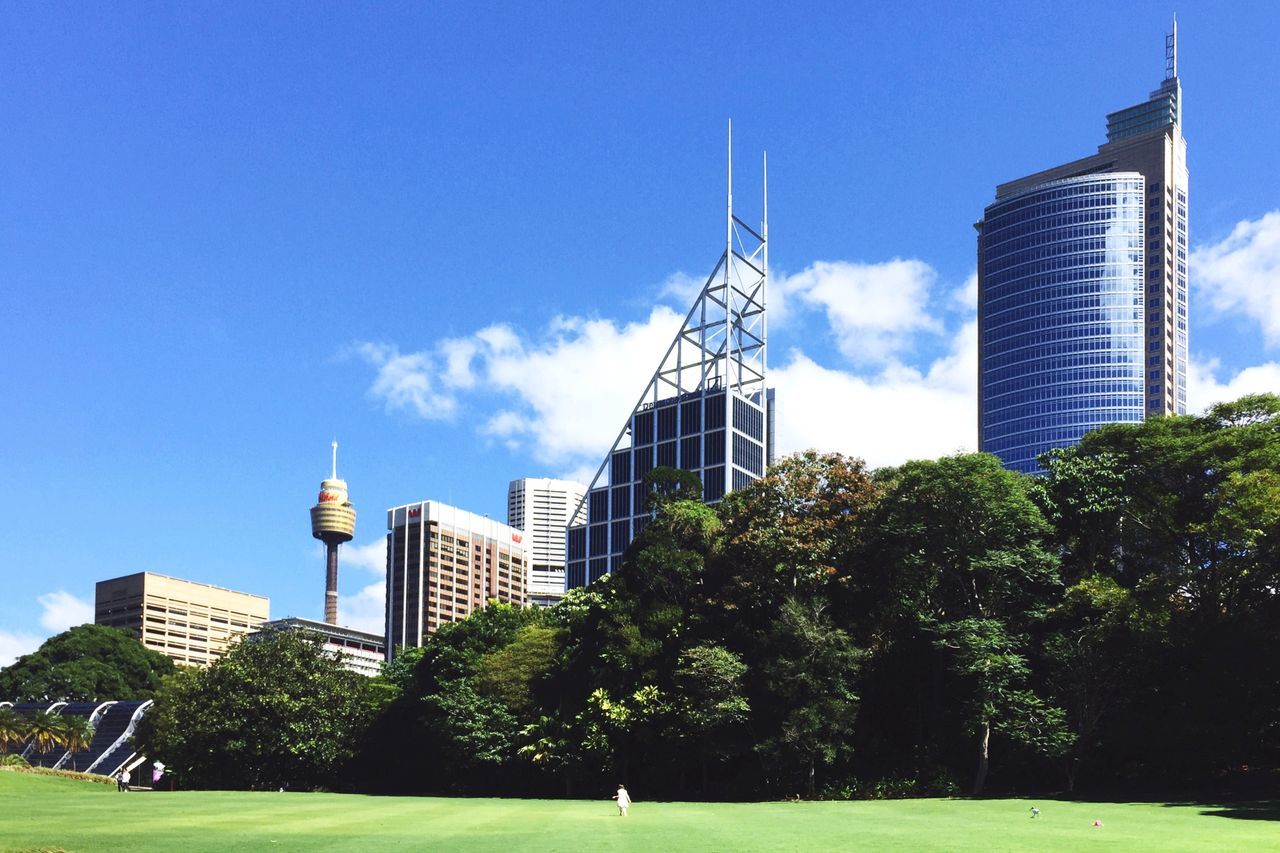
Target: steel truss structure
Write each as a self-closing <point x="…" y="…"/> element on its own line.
<point x="706" y="409"/>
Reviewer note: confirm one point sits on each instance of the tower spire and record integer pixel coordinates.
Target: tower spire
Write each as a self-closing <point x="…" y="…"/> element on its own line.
<point x="1171" y="52"/>
<point x="334" y="476"/>
<point x="728" y="223"/>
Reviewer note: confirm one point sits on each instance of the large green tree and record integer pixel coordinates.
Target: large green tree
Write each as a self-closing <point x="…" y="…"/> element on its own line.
<point x="958" y="556"/>
<point x="84" y="664"/>
<point x="276" y="711"/>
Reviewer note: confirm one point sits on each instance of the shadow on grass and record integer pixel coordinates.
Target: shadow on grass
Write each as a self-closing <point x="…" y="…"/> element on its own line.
<point x="1238" y="809"/>
<point x="1254" y="810"/>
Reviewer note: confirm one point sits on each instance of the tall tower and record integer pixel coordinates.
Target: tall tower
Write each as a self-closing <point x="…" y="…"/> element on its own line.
<point x="1082" y="287"/>
<point x="705" y="410"/>
<point x="333" y="521"/>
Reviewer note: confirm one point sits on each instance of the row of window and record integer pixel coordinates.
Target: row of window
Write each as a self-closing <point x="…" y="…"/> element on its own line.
<point x="1073" y="252"/>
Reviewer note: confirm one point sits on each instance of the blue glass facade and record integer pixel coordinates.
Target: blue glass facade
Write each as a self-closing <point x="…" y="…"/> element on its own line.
<point x="1061" y="314"/>
<point x="717" y="434"/>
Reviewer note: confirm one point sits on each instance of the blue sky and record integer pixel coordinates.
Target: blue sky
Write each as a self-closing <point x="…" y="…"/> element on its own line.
<point x="456" y="237"/>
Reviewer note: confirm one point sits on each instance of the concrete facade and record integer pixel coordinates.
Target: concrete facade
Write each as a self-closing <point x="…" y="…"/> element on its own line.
<point x="193" y="623"/>
<point x="443" y="564"/>
<point x="543" y="508"/>
<point x="360" y="651"/>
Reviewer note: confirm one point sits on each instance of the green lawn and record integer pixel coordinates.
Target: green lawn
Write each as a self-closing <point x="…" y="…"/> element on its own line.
<point x="44" y="812"/>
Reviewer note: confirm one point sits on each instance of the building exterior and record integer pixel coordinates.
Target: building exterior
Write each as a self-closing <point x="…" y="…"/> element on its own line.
<point x="444" y="563"/>
<point x="1082" y="287"/>
<point x="193" y="623"/>
<point x="333" y="521"/>
<point x="705" y="410"/>
<point x="543" y="508"/>
<point x="360" y="651"/>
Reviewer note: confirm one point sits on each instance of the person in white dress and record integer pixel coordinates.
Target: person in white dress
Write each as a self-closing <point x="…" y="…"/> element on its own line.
<point x="624" y="801"/>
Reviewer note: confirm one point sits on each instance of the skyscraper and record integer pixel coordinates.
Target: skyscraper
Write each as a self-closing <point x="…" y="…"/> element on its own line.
<point x="543" y="508"/>
<point x="1082" y="287"/>
<point x="705" y="410"/>
<point x="443" y="563"/>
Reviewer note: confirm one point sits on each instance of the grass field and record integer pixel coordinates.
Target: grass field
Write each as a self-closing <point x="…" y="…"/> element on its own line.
<point x="50" y="813"/>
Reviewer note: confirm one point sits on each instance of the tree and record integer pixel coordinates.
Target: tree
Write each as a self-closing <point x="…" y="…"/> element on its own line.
<point x="44" y="730"/>
<point x="810" y="683"/>
<point x="957" y="555"/>
<point x="13" y="728"/>
<point x="707" y="701"/>
<point x="793" y="532"/>
<point x="85" y="664"/>
<point x="275" y="711"/>
<point x="75" y="733"/>
<point x="1101" y="643"/>
<point x="984" y="655"/>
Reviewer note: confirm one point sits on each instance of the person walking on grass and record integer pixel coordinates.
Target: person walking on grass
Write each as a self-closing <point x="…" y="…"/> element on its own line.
<point x="624" y="801"/>
<point x="124" y="780"/>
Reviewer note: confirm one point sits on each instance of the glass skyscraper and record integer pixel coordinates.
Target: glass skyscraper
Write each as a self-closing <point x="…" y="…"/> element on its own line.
<point x="1082" y="288"/>
<point x="706" y="409"/>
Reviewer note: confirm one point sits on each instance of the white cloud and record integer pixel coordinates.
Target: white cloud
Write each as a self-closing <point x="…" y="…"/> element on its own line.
<point x="565" y="394"/>
<point x="874" y="310"/>
<point x="888" y="418"/>
<point x="408" y="381"/>
<point x="15" y="644"/>
<point x="562" y="395"/>
<point x="366" y="610"/>
<point x="965" y="297"/>
<point x="62" y="610"/>
<point x="682" y="288"/>
<point x="372" y="556"/>
<point x="1204" y="389"/>
<point x="1242" y="273"/>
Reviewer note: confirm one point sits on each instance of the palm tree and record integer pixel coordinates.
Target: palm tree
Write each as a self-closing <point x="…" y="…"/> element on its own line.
<point x="77" y="734"/>
<point x="45" y="731"/>
<point x="13" y="728"/>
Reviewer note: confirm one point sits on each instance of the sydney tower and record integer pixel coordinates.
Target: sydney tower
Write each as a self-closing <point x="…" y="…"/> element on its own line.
<point x="333" y="521"/>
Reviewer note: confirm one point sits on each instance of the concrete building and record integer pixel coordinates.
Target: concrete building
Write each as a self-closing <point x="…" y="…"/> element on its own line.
<point x="706" y="409"/>
<point x="360" y="651"/>
<point x="193" y="623"/>
<point x="1082" y="287"/>
<point x="443" y="564"/>
<point x="543" y="508"/>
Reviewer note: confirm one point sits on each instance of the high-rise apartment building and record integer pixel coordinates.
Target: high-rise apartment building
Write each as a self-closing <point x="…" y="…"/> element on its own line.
<point x="543" y="508"/>
<point x="705" y="410"/>
<point x="193" y="623"/>
<point x="444" y="563"/>
<point x="1082" y="287"/>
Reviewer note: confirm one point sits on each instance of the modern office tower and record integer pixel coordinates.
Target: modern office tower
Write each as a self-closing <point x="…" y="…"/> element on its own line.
<point x="543" y="508"/>
<point x="360" y="651"/>
<point x="193" y="623"/>
<point x="333" y="521"/>
<point x="1082" y="287"/>
<point x="443" y="563"/>
<point x="704" y="410"/>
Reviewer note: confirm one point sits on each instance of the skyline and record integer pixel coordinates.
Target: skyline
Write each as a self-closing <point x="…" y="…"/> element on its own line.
<point x="231" y="239"/>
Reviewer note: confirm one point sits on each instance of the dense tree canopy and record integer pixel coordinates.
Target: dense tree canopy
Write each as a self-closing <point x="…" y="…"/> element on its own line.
<point x="86" y="663"/>
<point x="936" y="627"/>
<point x="276" y="711"/>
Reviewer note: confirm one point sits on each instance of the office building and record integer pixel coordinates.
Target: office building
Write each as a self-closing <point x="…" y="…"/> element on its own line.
<point x="359" y="651"/>
<point x="1082" y="287"/>
<point x="543" y="508"/>
<point x="705" y="410"/>
<point x="193" y="623"/>
<point x="443" y="564"/>
<point x="333" y="521"/>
